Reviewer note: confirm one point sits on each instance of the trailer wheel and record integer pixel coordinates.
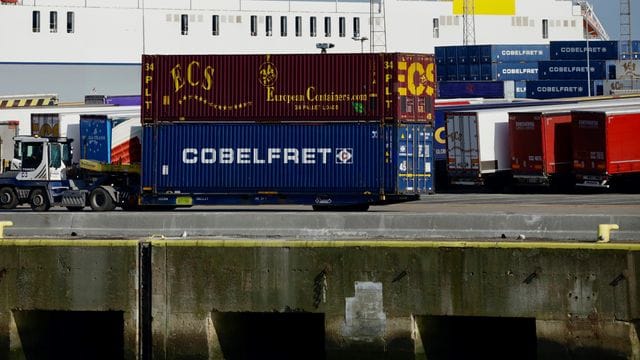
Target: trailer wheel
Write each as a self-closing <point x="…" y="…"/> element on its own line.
<point x="100" y="200"/>
<point x="8" y="198"/>
<point x="39" y="200"/>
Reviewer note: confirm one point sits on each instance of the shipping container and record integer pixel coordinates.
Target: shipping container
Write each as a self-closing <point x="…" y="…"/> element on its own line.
<point x="294" y="162"/>
<point x="451" y="54"/>
<point x="477" y="146"/>
<point x="516" y="71"/>
<point x="462" y="54"/>
<point x="629" y="54"/>
<point x="110" y="139"/>
<point x="540" y="140"/>
<point x="452" y="72"/>
<point x="571" y="70"/>
<point x="540" y="146"/>
<point x="577" y="50"/>
<point x="520" y="89"/>
<point x="513" y="53"/>
<point x="462" y="89"/>
<point x="440" y="55"/>
<point x="288" y="87"/>
<point x="623" y="69"/>
<point x="441" y="72"/>
<point x="123" y="100"/>
<point x="463" y="72"/>
<point x="478" y="139"/>
<point x="553" y="89"/>
<point x="605" y="146"/>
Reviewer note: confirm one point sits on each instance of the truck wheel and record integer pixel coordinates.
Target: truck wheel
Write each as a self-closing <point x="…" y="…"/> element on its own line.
<point x="39" y="200"/>
<point x="100" y="200"/>
<point x="8" y="198"/>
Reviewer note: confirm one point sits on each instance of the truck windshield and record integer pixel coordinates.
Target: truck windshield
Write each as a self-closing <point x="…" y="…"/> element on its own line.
<point x="31" y="155"/>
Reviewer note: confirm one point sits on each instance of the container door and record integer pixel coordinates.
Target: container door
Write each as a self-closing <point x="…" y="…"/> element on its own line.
<point x="414" y="159"/>
<point x="462" y="142"/>
<point x="525" y="138"/>
<point x="588" y="135"/>
<point x="95" y="139"/>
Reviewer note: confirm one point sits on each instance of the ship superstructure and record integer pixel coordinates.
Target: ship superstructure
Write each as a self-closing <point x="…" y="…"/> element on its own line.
<point x="72" y="39"/>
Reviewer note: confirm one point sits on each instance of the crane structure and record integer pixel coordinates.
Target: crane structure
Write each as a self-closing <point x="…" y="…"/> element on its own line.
<point x="625" y="26"/>
<point x="469" y="22"/>
<point x="377" y="27"/>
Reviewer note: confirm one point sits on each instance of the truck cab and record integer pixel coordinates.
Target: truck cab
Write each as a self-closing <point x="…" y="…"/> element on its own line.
<point x="38" y="174"/>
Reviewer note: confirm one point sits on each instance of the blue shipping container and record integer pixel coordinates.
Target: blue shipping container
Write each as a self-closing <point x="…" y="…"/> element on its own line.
<point x="451" y="54"/>
<point x="441" y="72"/>
<point x="470" y="89"/>
<point x="463" y="72"/>
<point x="452" y="72"/>
<point x="512" y="53"/>
<point x="571" y="70"/>
<point x="462" y="54"/>
<point x="516" y="71"/>
<point x="440" y="55"/>
<point x="577" y="50"/>
<point x="95" y="138"/>
<point x="521" y="89"/>
<point x="123" y="100"/>
<point x="552" y="89"/>
<point x="328" y="158"/>
<point x="634" y="54"/>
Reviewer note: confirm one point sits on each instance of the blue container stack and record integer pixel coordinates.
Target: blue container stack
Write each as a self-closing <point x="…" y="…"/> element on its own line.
<point x="480" y="70"/>
<point x="557" y="70"/>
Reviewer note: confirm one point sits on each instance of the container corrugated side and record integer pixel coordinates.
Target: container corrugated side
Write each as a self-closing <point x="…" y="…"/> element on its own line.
<point x="241" y="158"/>
<point x="515" y="53"/>
<point x="467" y="89"/>
<point x="629" y="54"/>
<point x="571" y="70"/>
<point x="623" y="69"/>
<point x="95" y="138"/>
<point x="551" y="89"/>
<point x="516" y="71"/>
<point x="288" y="87"/>
<point x="605" y="142"/>
<point x="577" y="50"/>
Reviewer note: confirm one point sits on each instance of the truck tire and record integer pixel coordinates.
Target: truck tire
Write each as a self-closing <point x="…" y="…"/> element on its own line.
<point x="39" y="200"/>
<point x="100" y="200"/>
<point x="8" y="198"/>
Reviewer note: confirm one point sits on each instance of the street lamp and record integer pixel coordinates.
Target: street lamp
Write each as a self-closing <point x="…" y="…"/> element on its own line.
<point x="324" y="46"/>
<point x="362" y="40"/>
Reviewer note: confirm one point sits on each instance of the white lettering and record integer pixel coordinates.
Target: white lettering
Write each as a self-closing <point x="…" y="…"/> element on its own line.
<point x="190" y="159"/>
<point x="309" y="156"/>
<point x="273" y="154"/>
<point x="256" y="157"/>
<point x="211" y="159"/>
<point x="226" y="156"/>
<point x="244" y="156"/>
<point x="291" y="154"/>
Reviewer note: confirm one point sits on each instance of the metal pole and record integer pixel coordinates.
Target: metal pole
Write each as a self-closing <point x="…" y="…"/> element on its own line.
<point x="588" y="66"/>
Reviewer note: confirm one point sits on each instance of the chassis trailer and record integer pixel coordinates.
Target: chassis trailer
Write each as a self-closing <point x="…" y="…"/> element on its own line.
<point x="341" y="166"/>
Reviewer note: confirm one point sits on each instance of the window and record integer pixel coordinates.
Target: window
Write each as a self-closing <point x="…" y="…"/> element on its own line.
<point x="436" y="28"/>
<point x="283" y="26"/>
<point x="254" y="25"/>
<point x="298" y="25"/>
<point x="268" y="25"/>
<point x="215" y="25"/>
<point x="312" y="26"/>
<point x="327" y="26"/>
<point x="342" y="25"/>
<point x="35" y="21"/>
<point x="184" y="24"/>
<point x="70" y="22"/>
<point x="545" y="28"/>
<point x="356" y="27"/>
<point x="53" y="21"/>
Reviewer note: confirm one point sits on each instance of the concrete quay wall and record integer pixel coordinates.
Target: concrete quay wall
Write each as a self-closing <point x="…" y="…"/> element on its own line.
<point x="210" y="299"/>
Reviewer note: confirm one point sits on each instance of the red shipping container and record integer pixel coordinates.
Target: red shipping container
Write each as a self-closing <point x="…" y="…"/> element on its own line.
<point x="292" y="87"/>
<point x="605" y="144"/>
<point x="540" y="144"/>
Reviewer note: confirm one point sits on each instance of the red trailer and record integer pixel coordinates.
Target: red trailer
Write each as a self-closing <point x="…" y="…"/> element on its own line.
<point x="540" y="144"/>
<point x="606" y="147"/>
<point x="288" y="87"/>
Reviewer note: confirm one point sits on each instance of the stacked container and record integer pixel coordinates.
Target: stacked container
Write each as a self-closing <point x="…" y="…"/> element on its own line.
<point x="493" y="64"/>
<point x="323" y="129"/>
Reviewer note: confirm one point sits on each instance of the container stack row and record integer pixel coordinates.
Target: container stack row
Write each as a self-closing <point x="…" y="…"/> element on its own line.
<point x="319" y="129"/>
<point x="559" y="70"/>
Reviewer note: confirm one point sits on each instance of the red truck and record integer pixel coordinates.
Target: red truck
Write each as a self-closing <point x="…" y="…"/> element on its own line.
<point x="606" y="147"/>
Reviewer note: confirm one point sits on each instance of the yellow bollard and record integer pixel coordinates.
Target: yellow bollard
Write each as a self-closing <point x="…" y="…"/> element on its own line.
<point x="2" y="225"/>
<point x="604" y="230"/>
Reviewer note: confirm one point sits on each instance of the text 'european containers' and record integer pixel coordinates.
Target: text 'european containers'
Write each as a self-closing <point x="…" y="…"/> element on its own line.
<point x="293" y="87"/>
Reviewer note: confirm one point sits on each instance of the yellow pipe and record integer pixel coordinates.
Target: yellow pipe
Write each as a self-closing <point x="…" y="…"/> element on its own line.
<point x="604" y="231"/>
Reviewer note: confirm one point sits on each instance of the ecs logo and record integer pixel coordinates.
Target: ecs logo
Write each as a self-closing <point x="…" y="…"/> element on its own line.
<point x="344" y="156"/>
